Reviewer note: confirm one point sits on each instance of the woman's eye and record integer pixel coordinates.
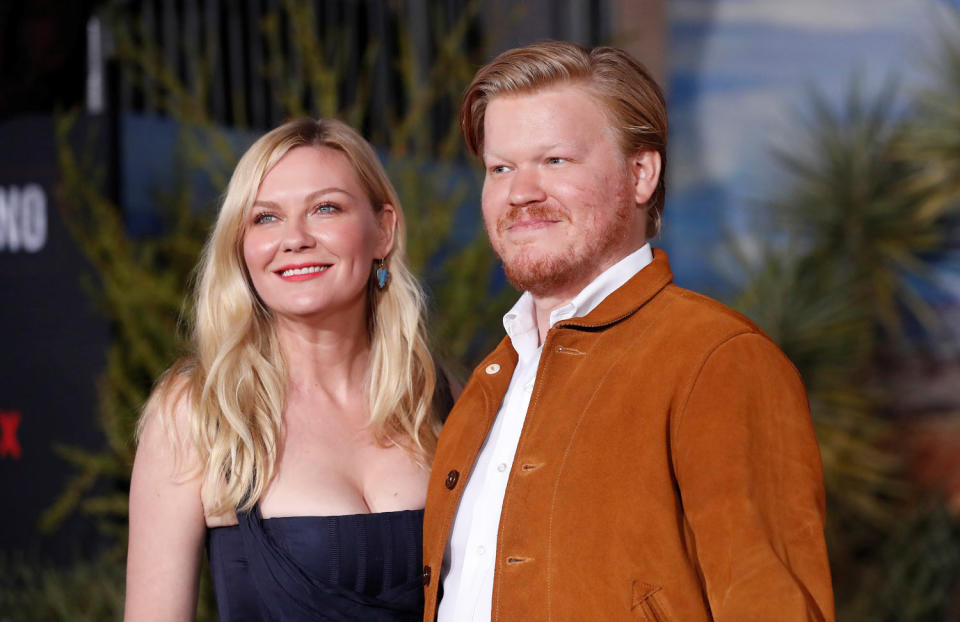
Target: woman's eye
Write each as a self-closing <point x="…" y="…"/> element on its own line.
<point x="263" y="217"/>
<point x="326" y="208"/>
<point x="498" y="169"/>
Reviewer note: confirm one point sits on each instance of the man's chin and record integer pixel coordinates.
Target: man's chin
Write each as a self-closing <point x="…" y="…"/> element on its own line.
<point x="542" y="276"/>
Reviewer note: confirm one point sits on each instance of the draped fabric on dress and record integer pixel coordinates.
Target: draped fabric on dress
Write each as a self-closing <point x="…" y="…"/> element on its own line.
<point x="339" y="568"/>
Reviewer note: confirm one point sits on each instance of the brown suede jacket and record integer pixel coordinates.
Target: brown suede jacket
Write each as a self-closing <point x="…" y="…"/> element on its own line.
<point x="667" y="470"/>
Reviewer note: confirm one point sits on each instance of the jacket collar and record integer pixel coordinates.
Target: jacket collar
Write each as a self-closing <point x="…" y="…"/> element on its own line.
<point x="622" y="303"/>
<point x="629" y="297"/>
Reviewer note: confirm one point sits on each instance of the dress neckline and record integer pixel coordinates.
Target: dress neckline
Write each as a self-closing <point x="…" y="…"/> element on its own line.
<point x="358" y="515"/>
<point x="320" y="517"/>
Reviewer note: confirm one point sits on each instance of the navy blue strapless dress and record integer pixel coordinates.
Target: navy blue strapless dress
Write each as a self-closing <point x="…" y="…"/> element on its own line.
<point x="358" y="567"/>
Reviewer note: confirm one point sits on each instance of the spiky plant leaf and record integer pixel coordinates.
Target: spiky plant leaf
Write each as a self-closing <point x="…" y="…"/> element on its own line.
<point x="849" y="205"/>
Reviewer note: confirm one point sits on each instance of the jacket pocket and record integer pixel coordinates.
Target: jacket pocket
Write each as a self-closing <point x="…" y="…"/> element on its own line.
<point x="647" y="603"/>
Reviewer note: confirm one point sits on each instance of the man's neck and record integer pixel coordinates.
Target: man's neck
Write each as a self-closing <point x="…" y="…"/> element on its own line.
<point x="543" y="307"/>
<point x="544" y="304"/>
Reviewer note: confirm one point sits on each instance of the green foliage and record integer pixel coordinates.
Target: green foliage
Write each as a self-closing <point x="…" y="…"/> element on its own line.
<point x="849" y="203"/>
<point x="89" y="590"/>
<point x="932" y="144"/>
<point x="140" y="286"/>
<point x="856" y="228"/>
<point x="917" y="579"/>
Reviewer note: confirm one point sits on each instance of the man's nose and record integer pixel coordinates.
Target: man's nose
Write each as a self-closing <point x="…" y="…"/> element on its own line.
<point x="296" y="236"/>
<point x="525" y="187"/>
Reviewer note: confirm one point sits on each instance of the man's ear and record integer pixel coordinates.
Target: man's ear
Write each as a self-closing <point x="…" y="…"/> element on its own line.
<point x="645" y="167"/>
<point x="387" y="223"/>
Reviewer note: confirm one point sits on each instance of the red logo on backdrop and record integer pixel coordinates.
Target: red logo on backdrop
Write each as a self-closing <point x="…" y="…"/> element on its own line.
<point x="9" y="445"/>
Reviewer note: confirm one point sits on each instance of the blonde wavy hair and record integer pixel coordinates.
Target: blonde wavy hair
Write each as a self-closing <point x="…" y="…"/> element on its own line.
<point x="235" y="380"/>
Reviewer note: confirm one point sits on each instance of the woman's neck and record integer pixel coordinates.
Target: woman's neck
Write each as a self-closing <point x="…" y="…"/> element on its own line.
<point x="331" y="357"/>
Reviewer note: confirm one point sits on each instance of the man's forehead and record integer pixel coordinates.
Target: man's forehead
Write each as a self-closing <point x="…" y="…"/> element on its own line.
<point x="561" y="115"/>
<point x="579" y="86"/>
<point x="573" y="99"/>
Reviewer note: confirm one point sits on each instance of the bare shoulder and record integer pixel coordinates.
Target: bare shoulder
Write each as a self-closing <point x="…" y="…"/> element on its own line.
<point x="165" y="430"/>
<point x="166" y="514"/>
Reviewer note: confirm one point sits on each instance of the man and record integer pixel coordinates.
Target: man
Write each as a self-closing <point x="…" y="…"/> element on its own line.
<point x="631" y="450"/>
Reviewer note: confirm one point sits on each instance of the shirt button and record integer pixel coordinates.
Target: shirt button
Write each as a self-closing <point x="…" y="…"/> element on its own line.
<point x="493" y="368"/>
<point x="481" y="550"/>
<point x="502" y="467"/>
<point x="452" y="478"/>
<point x="426" y="575"/>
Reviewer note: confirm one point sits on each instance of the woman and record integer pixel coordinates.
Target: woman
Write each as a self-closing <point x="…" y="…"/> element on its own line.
<point x="296" y="440"/>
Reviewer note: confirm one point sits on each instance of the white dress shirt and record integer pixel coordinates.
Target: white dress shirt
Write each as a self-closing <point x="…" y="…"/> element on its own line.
<point x="468" y="562"/>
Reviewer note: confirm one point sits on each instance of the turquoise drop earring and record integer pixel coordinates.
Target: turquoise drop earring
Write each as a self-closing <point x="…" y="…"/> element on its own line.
<point x="382" y="274"/>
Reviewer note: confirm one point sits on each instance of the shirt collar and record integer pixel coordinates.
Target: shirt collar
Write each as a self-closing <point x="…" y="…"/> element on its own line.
<point x="520" y="321"/>
<point x="521" y="325"/>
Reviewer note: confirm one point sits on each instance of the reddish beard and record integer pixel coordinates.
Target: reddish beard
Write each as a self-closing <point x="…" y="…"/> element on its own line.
<point x="546" y="273"/>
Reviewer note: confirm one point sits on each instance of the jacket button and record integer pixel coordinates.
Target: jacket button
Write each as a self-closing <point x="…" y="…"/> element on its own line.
<point x="493" y="368"/>
<point x="452" y="478"/>
<point x="426" y="575"/>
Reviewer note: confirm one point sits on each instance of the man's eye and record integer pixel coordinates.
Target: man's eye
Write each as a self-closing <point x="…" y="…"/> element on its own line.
<point x="556" y="160"/>
<point x="498" y="169"/>
<point x="263" y="217"/>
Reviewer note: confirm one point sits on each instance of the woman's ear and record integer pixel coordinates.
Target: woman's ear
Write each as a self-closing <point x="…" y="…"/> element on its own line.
<point x="387" y="223"/>
<point x="645" y="166"/>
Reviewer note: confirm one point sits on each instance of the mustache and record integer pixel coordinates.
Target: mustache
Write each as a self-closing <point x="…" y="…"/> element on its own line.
<point x="539" y="212"/>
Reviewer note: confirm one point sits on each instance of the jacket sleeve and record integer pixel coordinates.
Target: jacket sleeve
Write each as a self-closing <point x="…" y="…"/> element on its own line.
<point x="751" y="483"/>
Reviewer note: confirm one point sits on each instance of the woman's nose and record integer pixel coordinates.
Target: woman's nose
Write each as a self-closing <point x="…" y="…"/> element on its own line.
<point x="296" y="236"/>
